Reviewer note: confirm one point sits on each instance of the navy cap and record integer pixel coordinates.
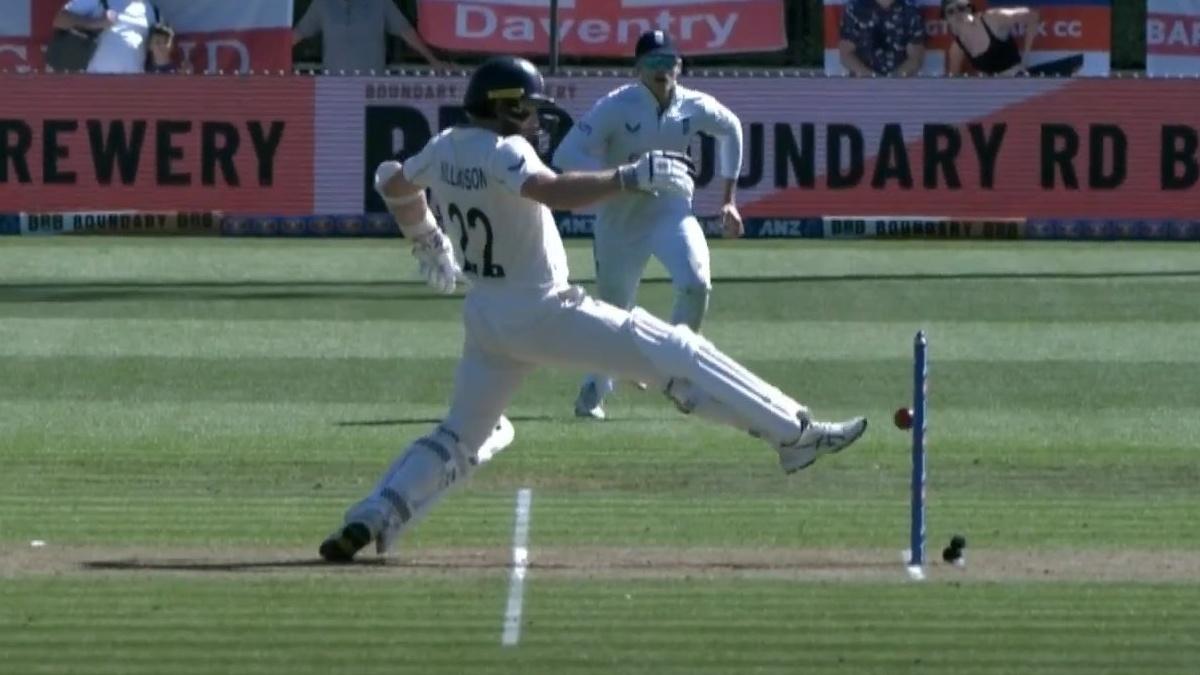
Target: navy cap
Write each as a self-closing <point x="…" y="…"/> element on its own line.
<point x="655" y="42"/>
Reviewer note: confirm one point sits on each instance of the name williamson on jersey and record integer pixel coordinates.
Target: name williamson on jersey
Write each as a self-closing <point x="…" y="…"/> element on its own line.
<point x="463" y="178"/>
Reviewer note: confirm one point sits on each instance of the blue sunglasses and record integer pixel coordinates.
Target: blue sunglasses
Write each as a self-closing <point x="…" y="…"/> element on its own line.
<point x="658" y="61"/>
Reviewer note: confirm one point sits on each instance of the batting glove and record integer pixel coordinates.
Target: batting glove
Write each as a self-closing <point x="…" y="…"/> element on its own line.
<point x="435" y="257"/>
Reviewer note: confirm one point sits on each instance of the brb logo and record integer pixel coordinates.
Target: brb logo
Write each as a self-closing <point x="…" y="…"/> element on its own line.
<point x="399" y="132"/>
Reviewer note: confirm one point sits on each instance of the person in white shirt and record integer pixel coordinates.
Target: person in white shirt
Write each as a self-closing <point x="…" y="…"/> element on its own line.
<point x="520" y="312"/>
<point x="124" y="27"/>
<point x="353" y="34"/>
<point x="654" y="113"/>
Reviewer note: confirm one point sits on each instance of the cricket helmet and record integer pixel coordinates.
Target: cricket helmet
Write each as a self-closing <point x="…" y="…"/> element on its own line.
<point x="504" y="79"/>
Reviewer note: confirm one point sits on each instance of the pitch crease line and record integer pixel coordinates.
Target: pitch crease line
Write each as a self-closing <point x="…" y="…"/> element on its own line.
<point x="516" y="582"/>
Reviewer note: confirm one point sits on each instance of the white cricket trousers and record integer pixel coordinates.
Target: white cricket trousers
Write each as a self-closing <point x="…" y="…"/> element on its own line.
<point x="509" y="333"/>
<point x="622" y="250"/>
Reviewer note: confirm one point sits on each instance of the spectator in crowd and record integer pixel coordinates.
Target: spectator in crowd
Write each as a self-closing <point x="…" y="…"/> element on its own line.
<point x="883" y="37"/>
<point x="162" y="44"/>
<point x="123" y="26"/>
<point x="988" y="39"/>
<point x="353" y="32"/>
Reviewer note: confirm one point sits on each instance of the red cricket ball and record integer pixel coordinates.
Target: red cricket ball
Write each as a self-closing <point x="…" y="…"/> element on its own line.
<point x="903" y="418"/>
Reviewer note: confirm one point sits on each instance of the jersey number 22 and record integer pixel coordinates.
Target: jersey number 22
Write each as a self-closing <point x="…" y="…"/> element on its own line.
<point x="474" y="219"/>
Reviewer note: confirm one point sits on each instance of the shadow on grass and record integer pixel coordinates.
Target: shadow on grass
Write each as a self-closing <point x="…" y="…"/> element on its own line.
<point x="220" y="566"/>
<point x="399" y="421"/>
<point x="600" y="563"/>
<point x="177" y="565"/>
<point x="450" y="565"/>
<point x="216" y="290"/>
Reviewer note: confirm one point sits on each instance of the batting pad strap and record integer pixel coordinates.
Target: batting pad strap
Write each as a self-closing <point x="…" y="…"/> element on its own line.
<point x="399" y="503"/>
<point x="438" y="449"/>
<point x="444" y="443"/>
<point x="427" y="468"/>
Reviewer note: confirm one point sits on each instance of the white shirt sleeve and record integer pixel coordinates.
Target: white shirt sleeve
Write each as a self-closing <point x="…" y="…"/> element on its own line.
<point x="514" y="162"/>
<point x="419" y="169"/>
<point x="586" y="144"/>
<point x="720" y="122"/>
<point x="89" y="8"/>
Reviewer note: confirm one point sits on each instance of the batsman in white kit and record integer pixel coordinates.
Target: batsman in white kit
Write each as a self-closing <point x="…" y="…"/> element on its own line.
<point x="520" y="312"/>
<point x="653" y="113"/>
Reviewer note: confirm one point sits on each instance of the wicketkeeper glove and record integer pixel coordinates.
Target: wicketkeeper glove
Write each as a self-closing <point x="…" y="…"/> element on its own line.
<point x="660" y="172"/>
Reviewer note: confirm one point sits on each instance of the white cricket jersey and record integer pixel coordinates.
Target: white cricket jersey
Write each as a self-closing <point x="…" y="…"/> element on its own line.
<point x="503" y="239"/>
<point x="627" y="123"/>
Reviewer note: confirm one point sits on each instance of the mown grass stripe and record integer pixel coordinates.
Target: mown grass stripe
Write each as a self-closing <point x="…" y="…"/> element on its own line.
<point x="811" y="338"/>
<point x="263" y="385"/>
<point x="1084" y="384"/>
<point x="1127" y="299"/>
<point x="238" y="260"/>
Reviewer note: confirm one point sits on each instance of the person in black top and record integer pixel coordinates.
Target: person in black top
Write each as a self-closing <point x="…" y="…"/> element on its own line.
<point x="988" y="40"/>
<point x="881" y="37"/>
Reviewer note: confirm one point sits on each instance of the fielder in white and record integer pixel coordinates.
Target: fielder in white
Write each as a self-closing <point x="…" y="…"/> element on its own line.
<point x="654" y="113"/>
<point x="520" y="312"/>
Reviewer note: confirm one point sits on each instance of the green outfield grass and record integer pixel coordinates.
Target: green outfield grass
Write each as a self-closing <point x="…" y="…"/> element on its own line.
<point x="177" y="414"/>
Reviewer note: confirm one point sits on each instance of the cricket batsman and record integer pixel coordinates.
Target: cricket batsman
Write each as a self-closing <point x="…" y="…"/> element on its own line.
<point x="520" y="312"/>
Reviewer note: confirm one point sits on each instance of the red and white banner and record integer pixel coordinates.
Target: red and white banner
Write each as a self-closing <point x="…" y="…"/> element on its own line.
<point x="214" y="35"/>
<point x="966" y="149"/>
<point x="153" y="143"/>
<point x="602" y="27"/>
<point x="1173" y="37"/>
<point x="1068" y="28"/>
<point x="969" y="148"/>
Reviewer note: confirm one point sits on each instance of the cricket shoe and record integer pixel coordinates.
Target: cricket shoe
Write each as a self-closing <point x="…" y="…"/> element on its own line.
<point x="590" y="402"/>
<point x="372" y="519"/>
<point x="501" y="437"/>
<point x="817" y="439"/>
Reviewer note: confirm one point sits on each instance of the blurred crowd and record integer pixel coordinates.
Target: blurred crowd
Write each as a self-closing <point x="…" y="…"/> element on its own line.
<point x="887" y="37"/>
<point x="876" y="37"/>
<point x="111" y="36"/>
<point x="135" y="36"/>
